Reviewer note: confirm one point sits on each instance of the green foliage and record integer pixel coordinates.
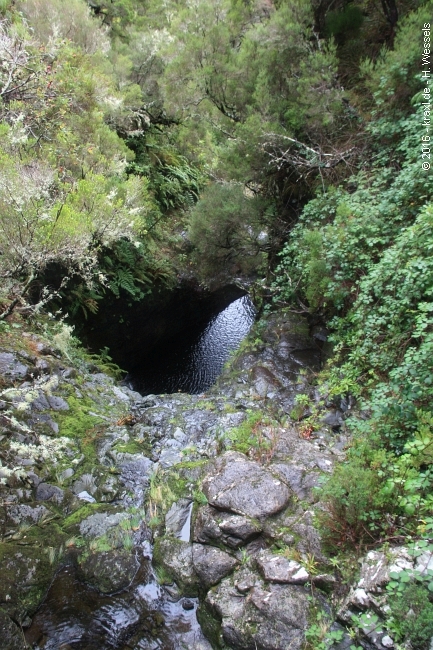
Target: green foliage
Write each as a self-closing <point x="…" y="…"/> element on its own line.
<point x="226" y="228"/>
<point x="355" y="506"/>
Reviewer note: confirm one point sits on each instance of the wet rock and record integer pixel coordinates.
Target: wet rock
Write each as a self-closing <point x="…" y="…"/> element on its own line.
<point x="213" y="526"/>
<point x="110" y="571"/>
<point x="276" y="568"/>
<point x="135" y="471"/>
<point x="10" y="634"/>
<point x="211" y="564"/>
<point x="187" y="604"/>
<point x="47" y="492"/>
<point x="270" y="617"/>
<point x="176" y="557"/>
<point x="264" y="381"/>
<point x="177" y="517"/>
<point x="244" y="487"/>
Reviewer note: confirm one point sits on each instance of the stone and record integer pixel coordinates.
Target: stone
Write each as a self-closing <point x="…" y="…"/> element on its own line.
<point x="244" y="487"/>
<point x="298" y="479"/>
<point x="85" y="496"/>
<point x="177" y="517"/>
<point x="240" y="527"/>
<point x="57" y="403"/>
<point x="376" y="567"/>
<point x="24" y="513"/>
<point x="276" y="568"/>
<point x="270" y="617"/>
<point x="11" y="368"/>
<point x="47" y="492"/>
<point x="10" y="634"/>
<point x="100" y="523"/>
<point x="206" y="527"/>
<point x="187" y="604"/>
<point x="120" y="394"/>
<point x="333" y="419"/>
<point x="211" y="564"/>
<point x="67" y="473"/>
<point x="86" y="483"/>
<point x="176" y="558"/>
<point x="109" y="571"/>
<point x="387" y="642"/>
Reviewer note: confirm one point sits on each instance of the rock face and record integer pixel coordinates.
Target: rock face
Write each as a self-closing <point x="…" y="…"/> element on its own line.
<point x="271" y="617"/>
<point x="244" y="487"/>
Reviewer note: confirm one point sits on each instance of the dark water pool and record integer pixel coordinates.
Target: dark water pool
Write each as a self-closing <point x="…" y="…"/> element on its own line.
<point x="76" y="617"/>
<point x="193" y="363"/>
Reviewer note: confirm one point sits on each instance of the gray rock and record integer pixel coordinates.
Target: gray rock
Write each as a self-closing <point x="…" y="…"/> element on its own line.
<point x="242" y="486"/>
<point x="67" y="473"/>
<point x="57" y="403"/>
<point x="24" y="513"/>
<point x="85" y="496"/>
<point x="110" y="571"/>
<point x="42" y="365"/>
<point x="301" y="482"/>
<point x="241" y="527"/>
<point x="100" y="523"/>
<point x="276" y="568"/>
<point x="41" y="403"/>
<point x="333" y="419"/>
<point x="376" y="567"/>
<point x="86" y="483"/>
<point x="177" y="517"/>
<point x="47" y="492"/>
<point x="211" y="564"/>
<point x="213" y="526"/>
<point x="176" y="558"/>
<point x="11" y="368"/>
<point x="206" y="527"/>
<point x="270" y="618"/>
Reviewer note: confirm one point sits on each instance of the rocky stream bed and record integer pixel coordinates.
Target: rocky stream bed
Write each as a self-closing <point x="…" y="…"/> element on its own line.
<point x="171" y="521"/>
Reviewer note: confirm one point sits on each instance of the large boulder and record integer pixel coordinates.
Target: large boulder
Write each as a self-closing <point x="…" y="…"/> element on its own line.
<point x="252" y="616"/>
<point x="211" y="564"/>
<point x="213" y="527"/>
<point x="242" y="486"/>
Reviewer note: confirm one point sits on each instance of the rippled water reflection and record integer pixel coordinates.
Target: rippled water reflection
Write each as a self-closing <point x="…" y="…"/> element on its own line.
<point x="76" y="617"/>
<point x="194" y="367"/>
